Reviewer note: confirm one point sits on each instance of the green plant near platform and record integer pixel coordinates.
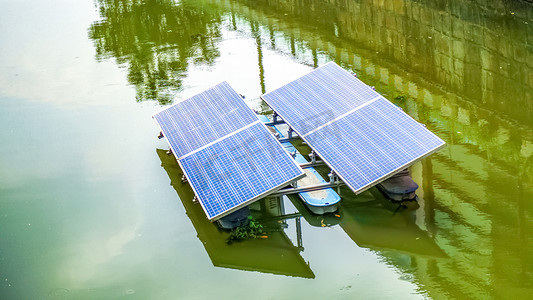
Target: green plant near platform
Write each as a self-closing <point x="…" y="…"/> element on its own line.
<point x="252" y="230"/>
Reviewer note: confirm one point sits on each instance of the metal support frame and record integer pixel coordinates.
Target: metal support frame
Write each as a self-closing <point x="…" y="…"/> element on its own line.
<point x="288" y="139"/>
<point x="275" y="117"/>
<point x="334" y="178"/>
<point x="299" y="239"/>
<point x="294" y="189"/>
<point x="312" y="164"/>
<point x="290" y="131"/>
<point x="283" y="217"/>
<point x="310" y="188"/>
<point x="313" y="156"/>
<point x="297" y="217"/>
<point x="274" y="123"/>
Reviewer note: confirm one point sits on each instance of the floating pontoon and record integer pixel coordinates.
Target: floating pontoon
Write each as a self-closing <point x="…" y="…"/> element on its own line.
<point x="319" y="202"/>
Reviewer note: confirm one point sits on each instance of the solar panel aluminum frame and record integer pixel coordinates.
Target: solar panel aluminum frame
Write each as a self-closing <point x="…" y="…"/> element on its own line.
<point x="325" y="159"/>
<point x="258" y="197"/>
<point x="412" y="162"/>
<point x="249" y="201"/>
<point x="161" y="128"/>
<point x="193" y="96"/>
<point x="345" y="86"/>
<point x="371" y="184"/>
<point x="243" y="204"/>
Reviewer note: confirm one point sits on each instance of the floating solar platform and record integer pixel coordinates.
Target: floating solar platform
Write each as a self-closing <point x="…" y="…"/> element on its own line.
<point x="362" y="136"/>
<point x="228" y="156"/>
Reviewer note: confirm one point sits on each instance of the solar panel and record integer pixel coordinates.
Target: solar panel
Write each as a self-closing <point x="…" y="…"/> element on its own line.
<point x="385" y="140"/>
<point x="228" y="156"/>
<point x="365" y="140"/>
<point x="204" y="118"/>
<point x="239" y="169"/>
<point x="319" y="97"/>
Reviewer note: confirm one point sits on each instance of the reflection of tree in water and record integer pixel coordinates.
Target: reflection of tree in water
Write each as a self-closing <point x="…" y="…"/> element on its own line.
<point x="156" y="40"/>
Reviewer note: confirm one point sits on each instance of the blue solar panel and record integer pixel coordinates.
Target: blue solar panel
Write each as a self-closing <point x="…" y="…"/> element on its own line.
<point x="357" y="132"/>
<point x="315" y="99"/>
<point x="371" y="143"/>
<point x="228" y="156"/>
<point x="204" y="118"/>
<point x="241" y="168"/>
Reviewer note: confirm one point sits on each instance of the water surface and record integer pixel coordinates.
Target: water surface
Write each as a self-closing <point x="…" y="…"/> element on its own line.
<point x="86" y="208"/>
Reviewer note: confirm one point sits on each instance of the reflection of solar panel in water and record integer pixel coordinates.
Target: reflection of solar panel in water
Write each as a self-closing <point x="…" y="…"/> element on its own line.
<point x="228" y="156"/>
<point x="362" y="136"/>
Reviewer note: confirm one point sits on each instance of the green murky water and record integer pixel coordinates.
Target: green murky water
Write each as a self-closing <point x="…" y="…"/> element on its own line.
<point x="86" y="209"/>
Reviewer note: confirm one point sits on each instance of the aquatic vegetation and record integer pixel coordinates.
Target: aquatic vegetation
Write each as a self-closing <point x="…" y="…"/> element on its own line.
<point x="251" y="230"/>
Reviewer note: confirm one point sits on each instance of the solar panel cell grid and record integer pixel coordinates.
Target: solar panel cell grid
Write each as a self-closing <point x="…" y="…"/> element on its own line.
<point x="318" y="97"/>
<point x="372" y="142"/>
<point x="361" y="135"/>
<point x="204" y="118"/>
<point x="235" y="171"/>
<point x="229" y="157"/>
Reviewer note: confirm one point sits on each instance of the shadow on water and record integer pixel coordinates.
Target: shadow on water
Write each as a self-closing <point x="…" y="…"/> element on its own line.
<point x="369" y="220"/>
<point x="276" y="254"/>
<point x="372" y="222"/>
